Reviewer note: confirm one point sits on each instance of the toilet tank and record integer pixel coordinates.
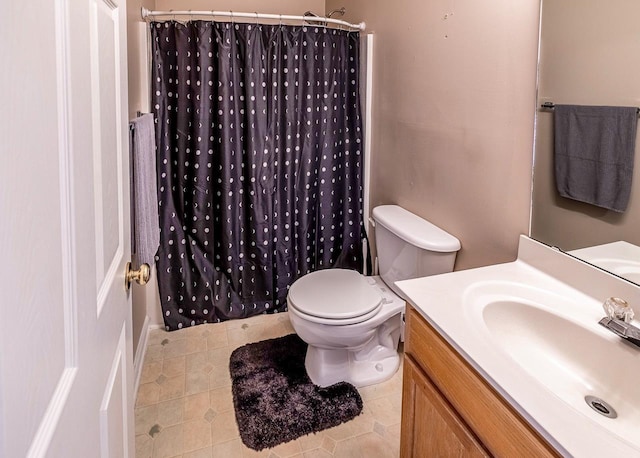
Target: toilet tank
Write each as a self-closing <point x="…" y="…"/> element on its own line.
<point x="411" y="247"/>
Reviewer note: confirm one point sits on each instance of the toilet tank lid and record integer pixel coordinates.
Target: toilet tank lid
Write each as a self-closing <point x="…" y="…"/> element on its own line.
<point x="415" y="230"/>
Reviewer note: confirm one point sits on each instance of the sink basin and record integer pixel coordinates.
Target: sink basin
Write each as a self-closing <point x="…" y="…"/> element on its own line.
<point x="558" y="342"/>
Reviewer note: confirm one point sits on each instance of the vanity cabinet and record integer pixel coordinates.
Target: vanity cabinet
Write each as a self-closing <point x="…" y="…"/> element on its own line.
<point x="448" y="409"/>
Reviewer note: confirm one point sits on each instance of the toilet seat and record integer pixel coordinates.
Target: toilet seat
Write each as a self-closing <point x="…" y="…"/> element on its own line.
<point x="334" y="296"/>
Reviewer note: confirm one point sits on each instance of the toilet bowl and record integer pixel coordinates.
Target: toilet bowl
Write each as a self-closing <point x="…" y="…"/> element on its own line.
<point x="352" y="323"/>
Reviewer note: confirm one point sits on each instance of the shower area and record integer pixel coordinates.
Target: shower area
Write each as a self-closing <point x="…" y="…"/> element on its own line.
<point x="262" y="157"/>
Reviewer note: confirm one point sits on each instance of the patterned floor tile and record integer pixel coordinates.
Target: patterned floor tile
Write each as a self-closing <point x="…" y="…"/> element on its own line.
<point x="184" y="406"/>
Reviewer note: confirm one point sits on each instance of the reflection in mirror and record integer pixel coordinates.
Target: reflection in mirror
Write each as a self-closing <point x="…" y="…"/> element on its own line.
<point x="589" y="55"/>
<point x="620" y="258"/>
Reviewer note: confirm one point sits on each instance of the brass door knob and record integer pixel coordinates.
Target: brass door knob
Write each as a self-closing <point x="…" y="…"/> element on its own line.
<point x="141" y="276"/>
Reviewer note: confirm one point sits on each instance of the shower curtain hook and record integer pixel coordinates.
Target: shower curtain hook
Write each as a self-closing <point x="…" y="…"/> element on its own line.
<point x="281" y="20"/>
<point x="231" y="13"/>
<point x="257" y="17"/>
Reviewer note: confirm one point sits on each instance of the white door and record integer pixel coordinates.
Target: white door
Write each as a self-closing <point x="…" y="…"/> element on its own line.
<point x="65" y="327"/>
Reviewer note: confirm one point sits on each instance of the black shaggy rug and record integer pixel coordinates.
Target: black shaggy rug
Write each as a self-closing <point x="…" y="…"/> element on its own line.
<point x="274" y="399"/>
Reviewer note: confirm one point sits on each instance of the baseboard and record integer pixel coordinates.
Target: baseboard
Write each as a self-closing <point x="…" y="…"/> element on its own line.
<point x="139" y="358"/>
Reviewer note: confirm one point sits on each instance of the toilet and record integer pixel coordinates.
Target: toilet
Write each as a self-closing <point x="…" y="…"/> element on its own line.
<point x="352" y="323"/>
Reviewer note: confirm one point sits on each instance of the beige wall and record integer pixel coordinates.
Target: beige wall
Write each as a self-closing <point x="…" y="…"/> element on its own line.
<point x="453" y="111"/>
<point x="137" y="96"/>
<point x="453" y="108"/>
<point x="138" y="87"/>
<point x="589" y="56"/>
<point x="294" y="7"/>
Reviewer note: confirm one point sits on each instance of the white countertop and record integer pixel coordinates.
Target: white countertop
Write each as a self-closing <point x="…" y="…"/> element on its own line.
<point x="443" y="301"/>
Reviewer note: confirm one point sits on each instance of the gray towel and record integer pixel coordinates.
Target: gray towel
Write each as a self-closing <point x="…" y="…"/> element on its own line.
<point x="144" y="198"/>
<point x="594" y="153"/>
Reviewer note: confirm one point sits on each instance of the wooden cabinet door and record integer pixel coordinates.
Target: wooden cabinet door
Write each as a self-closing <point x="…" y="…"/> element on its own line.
<point x="430" y="427"/>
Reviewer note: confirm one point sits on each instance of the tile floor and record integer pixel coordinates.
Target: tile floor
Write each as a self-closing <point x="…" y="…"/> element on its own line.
<point x="185" y="408"/>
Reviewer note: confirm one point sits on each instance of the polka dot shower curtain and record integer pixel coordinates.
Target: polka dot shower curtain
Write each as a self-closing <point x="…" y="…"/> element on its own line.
<point x="259" y="140"/>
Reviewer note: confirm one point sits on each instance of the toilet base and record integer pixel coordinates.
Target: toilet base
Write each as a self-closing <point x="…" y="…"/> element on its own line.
<point x="368" y="366"/>
<point x="327" y="367"/>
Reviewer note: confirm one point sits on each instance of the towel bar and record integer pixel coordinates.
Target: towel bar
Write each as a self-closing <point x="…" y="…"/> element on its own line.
<point x="138" y="114"/>
<point x="551" y="106"/>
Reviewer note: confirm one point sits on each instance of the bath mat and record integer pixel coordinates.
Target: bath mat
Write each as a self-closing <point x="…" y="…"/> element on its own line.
<point x="274" y="399"/>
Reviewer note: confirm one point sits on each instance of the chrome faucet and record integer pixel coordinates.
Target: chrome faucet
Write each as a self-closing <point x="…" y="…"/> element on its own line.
<point x="625" y="330"/>
<point x="619" y="315"/>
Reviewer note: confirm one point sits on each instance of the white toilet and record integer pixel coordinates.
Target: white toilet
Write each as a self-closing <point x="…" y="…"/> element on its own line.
<point x="352" y="323"/>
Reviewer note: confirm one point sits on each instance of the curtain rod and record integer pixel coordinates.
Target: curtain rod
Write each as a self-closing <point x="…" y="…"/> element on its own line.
<point x="146" y="14"/>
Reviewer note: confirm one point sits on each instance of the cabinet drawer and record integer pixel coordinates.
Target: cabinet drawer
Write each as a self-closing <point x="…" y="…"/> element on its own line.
<point x="500" y="428"/>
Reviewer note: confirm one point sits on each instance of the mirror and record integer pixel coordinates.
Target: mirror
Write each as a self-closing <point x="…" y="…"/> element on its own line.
<point x="589" y="55"/>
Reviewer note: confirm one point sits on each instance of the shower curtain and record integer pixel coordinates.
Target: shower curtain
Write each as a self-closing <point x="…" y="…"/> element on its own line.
<point x="259" y="140"/>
